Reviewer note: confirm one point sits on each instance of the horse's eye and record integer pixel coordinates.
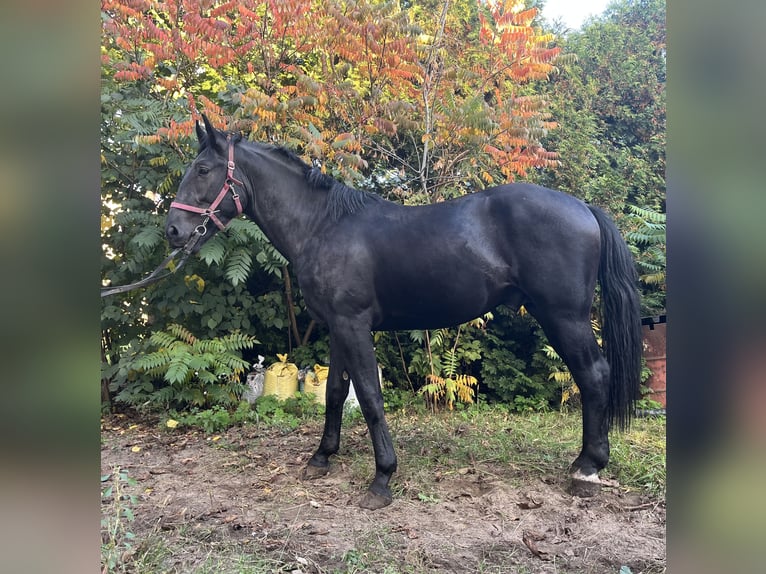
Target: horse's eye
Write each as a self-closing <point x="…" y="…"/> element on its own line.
<point x="203" y="170"/>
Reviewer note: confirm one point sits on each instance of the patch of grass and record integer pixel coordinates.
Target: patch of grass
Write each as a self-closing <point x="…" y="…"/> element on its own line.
<point x="487" y="437"/>
<point x="638" y="456"/>
<point x="372" y="552"/>
<point x="483" y="439"/>
<point x="269" y="410"/>
<point x="166" y="555"/>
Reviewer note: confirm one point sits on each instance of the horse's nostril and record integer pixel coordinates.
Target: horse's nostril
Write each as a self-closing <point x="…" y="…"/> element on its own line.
<point x="172" y="231"/>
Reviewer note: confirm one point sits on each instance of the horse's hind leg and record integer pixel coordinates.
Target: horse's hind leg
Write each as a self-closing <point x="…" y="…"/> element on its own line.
<point x="575" y="343"/>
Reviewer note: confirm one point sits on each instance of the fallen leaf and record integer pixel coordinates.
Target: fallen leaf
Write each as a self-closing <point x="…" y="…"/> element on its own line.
<point x="171" y="423"/>
<point x="529" y="504"/>
<point x="136" y="449"/>
<point x="527" y="538"/>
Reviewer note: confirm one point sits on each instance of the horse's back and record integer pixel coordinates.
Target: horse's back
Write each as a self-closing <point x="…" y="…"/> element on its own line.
<point x="447" y="263"/>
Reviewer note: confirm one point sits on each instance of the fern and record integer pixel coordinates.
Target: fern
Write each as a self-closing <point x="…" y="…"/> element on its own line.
<point x="648" y="215"/>
<point x="238" y="266"/>
<point x="244" y="231"/>
<point x="648" y="235"/>
<point x="149" y="238"/>
<point x="448" y="391"/>
<point x="178" y="370"/>
<point x="214" y="251"/>
<point x="182" y="334"/>
<point x="450" y="363"/>
<point x="194" y="371"/>
<point x="162" y="339"/>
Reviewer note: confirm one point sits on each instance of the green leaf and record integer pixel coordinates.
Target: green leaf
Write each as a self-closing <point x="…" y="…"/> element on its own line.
<point x="149" y="237"/>
<point x="177" y="371"/>
<point x="238" y="266"/>
<point x="213" y="251"/>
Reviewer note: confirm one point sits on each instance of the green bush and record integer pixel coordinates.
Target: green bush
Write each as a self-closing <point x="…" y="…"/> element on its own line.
<point x="513" y="367"/>
<point x="175" y="369"/>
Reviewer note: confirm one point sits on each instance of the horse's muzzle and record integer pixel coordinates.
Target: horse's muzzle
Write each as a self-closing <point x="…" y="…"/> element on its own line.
<point x="190" y="242"/>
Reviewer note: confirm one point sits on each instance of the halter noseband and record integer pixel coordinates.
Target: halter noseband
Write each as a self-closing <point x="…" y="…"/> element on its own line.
<point x="210" y="212"/>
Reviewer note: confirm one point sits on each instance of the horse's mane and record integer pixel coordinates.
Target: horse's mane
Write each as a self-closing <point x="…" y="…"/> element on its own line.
<point x="341" y="199"/>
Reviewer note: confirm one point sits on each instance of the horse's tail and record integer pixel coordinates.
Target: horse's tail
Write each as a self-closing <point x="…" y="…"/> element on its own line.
<point x="621" y="317"/>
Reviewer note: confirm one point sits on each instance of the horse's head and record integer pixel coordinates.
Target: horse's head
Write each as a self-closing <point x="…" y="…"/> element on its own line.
<point x="208" y="197"/>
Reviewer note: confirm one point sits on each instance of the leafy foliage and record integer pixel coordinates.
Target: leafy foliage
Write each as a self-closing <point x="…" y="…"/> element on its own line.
<point x="440" y="364"/>
<point x="513" y="366"/>
<point x="418" y="101"/>
<point x="179" y="369"/>
<point x="117" y="537"/>
<point x="449" y="390"/>
<point x="287" y="414"/>
<point x="647" y="235"/>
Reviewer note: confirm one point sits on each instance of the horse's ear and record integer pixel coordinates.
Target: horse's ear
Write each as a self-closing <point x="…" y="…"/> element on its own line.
<point x="201" y="135"/>
<point x="213" y="137"/>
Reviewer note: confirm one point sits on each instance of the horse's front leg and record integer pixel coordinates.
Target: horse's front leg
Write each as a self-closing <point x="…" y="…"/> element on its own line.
<point x="336" y="393"/>
<point x="354" y="340"/>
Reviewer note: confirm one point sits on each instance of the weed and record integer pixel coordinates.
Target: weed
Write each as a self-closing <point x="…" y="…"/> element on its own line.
<point x="638" y="457"/>
<point x="429" y="498"/>
<point x="117" y="540"/>
<point x="269" y="410"/>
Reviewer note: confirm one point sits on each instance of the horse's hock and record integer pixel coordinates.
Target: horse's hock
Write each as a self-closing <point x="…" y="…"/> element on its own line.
<point x="655" y="336"/>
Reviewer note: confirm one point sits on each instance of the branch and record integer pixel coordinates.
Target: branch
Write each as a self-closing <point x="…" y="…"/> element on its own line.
<point x="404" y="363"/>
<point x="306" y="335"/>
<point x="290" y="310"/>
<point x="427" y="71"/>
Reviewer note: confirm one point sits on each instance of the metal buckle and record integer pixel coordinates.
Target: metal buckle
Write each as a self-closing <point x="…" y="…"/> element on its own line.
<point x="201" y="229"/>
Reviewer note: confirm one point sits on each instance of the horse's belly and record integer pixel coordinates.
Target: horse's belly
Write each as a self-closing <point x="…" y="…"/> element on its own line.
<point x="434" y="308"/>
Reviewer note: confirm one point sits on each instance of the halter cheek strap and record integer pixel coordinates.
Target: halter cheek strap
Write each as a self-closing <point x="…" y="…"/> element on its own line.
<point x="209" y="213"/>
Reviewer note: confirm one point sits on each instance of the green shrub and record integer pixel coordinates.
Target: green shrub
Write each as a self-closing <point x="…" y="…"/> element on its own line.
<point x="175" y="369"/>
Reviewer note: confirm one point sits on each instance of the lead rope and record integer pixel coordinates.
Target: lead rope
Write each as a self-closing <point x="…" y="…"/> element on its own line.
<point x="155" y="275"/>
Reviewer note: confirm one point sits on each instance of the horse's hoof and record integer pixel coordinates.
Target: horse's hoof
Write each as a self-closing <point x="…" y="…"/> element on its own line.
<point x="584" y="485"/>
<point x="310" y="471"/>
<point x="372" y="501"/>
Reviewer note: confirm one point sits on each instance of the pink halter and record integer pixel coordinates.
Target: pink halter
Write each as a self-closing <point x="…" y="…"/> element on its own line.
<point x="210" y="212"/>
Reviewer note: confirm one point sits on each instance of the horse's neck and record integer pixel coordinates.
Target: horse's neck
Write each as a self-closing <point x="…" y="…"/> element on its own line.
<point x="283" y="205"/>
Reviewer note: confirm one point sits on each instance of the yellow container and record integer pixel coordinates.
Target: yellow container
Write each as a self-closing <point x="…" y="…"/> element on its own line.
<point x="281" y="379"/>
<point x="316" y="383"/>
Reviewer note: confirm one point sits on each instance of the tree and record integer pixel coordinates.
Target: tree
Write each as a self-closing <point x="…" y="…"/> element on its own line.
<point x="417" y="100"/>
<point x="421" y="101"/>
<point x="610" y="101"/>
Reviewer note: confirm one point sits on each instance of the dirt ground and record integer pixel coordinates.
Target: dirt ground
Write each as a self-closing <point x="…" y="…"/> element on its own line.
<point x="240" y="491"/>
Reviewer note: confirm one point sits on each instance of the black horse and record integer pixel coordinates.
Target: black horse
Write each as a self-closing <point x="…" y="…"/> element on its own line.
<point x="367" y="264"/>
